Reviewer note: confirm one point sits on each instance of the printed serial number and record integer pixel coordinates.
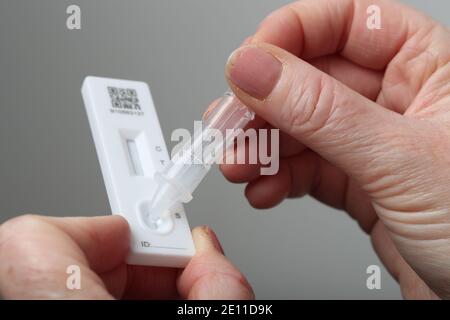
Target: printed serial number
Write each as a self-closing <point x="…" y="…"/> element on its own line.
<point x="251" y="309"/>
<point x="226" y="310"/>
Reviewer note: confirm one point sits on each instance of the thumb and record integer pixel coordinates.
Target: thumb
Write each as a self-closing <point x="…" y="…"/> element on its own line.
<point x="210" y="275"/>
<point x="341" y="125"/>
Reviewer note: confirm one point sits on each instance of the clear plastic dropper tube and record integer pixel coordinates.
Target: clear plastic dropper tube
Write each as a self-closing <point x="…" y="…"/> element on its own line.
<point x="189" y="166"/>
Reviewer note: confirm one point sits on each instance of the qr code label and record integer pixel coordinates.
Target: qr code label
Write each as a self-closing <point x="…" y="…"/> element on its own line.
<point x="124" y="101"/>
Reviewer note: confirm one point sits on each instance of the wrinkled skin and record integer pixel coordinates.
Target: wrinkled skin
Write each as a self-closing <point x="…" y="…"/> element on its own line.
<point x="365" y="121"/>
<point x="365" y="127"/>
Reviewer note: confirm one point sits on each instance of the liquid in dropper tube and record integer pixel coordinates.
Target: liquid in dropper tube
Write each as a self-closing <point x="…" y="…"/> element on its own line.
<point x="186" y="170"/>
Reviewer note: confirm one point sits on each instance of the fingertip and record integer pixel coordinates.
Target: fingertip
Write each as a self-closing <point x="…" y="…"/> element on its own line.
<point x="254" y="70"/>
<point x="210" y="108"/>
<point x="247" y="40"/>
<point x="206" y="240"/>
<point x="268" y="191"/>
<point x="239" y="173"/>
<point x="209" y="274"/>
<point x="112" y="228"/>
<point x="121" y="224"/>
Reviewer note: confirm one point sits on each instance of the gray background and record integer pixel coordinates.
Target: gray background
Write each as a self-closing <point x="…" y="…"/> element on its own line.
<point x="301" y="249"/>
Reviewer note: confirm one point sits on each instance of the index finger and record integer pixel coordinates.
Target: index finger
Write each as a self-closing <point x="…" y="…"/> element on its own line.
<point x="316" y="28"/>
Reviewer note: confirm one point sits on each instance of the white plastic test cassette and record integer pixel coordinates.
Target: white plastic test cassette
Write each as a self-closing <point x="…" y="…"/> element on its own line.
<point x="131" y="148"/>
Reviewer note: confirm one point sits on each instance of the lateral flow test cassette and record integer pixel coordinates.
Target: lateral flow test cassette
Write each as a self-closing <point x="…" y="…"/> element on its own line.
<point x="143" y="184"/>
